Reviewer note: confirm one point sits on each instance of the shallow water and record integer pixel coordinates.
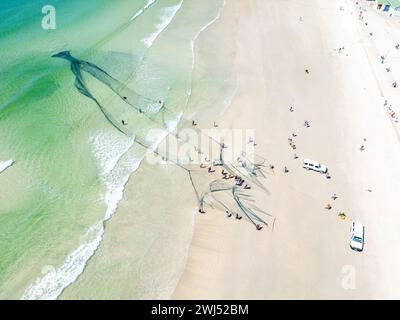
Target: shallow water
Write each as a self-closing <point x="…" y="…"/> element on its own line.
<point x="71" y="165"/>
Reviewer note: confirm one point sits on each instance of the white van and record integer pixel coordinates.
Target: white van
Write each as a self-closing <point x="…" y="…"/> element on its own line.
<point x="356" y="236"/>
<point x="314" y="165"/>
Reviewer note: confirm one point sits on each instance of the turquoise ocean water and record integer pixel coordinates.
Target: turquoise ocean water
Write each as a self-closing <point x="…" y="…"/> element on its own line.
<point x="71" y="165"/>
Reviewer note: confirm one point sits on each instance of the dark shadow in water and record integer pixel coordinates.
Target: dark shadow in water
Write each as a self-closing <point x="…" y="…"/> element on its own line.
<point x="235" y="199"/>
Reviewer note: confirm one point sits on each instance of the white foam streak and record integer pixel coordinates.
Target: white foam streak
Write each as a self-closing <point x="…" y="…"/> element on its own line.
<point x="168" y="15"/>
<point x="4" y="165"/>
<point x="141" y="11"/>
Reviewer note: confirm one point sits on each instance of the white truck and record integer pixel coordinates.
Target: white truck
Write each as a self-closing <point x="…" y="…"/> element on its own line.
<point x="315" y="166"/>
<point x="357" y="236"/>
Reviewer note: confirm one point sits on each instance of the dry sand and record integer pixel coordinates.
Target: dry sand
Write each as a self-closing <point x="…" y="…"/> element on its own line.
<point x="307" y="255"/>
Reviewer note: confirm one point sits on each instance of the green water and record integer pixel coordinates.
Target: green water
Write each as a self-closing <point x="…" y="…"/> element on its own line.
<point x="56" y="189"/>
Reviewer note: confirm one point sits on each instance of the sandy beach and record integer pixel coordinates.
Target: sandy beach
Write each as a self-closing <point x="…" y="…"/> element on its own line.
<point x="114" y="190"/>
<point x="307" y="253"/>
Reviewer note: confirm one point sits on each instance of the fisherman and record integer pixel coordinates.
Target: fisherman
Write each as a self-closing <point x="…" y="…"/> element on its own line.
<point x="285" y="170"/>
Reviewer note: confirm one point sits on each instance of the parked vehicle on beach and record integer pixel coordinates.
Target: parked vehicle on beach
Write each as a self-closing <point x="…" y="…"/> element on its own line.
<point x="357" y="236"/>
<point x="315" y="166"/>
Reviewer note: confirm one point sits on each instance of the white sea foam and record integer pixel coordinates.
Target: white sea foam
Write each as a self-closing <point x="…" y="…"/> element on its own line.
<point x="53" y="282"/>
<point x="108" y="150"/>
<point x="4" y="165"/>
<point x="141" y="11"/>
<point x="173" y="123"/>
<point x="168" y="15"/>
<point x="117" y="161"/>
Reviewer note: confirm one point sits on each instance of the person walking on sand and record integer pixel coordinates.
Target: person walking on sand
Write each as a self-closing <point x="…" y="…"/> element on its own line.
<point x="291" y="109"/>
<point x="334" y="196"/>
<point x="285" y="170"/>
